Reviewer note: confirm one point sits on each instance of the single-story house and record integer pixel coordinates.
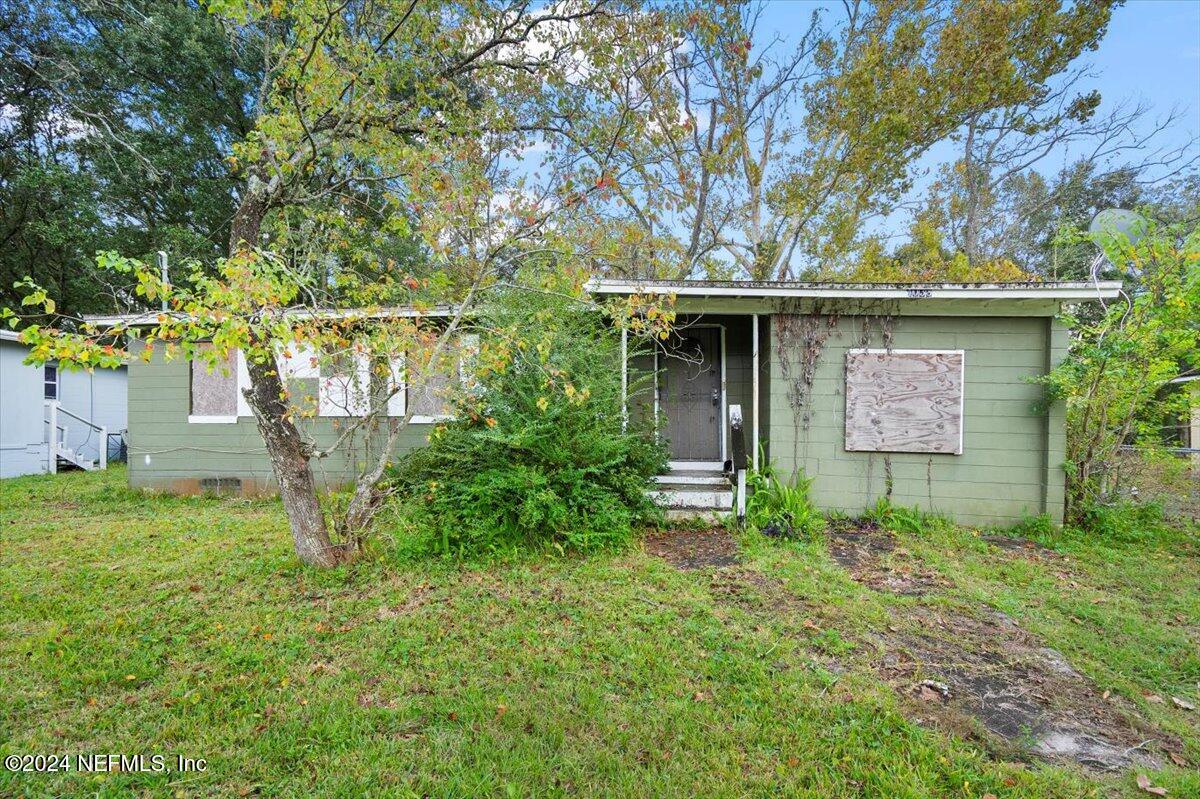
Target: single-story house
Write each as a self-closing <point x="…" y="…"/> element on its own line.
<point x="921" y="393"/>
<point x="52" y="418"/>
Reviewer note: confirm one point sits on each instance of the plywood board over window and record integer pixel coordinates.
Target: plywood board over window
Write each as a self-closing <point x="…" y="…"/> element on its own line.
<point x="904" y="401"/>
<point x="214" y="390"/>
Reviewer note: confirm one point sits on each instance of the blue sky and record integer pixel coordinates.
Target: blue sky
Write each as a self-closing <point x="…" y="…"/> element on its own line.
<point x="1150" y="52"/>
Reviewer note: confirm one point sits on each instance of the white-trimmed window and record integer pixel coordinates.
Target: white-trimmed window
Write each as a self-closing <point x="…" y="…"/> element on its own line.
<point x="905" y="401"/>
<point x="215" y="398"/>
<point x="431" y="399"/>
<point x="343" y="387"/>
<point x="347" y="390"/>
<point x="50" y="381"/>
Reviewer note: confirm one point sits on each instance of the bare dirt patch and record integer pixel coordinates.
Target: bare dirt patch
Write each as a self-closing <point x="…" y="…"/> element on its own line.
<point x="1022" y="546"/>
<point x="974" y="672"/>
<point x="872" y="557"/>
<point x="1003" y="685"/>
<point x="694" y="549"/>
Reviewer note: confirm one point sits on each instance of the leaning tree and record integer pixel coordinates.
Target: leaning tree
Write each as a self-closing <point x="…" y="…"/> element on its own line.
<point x="385" y="186"/>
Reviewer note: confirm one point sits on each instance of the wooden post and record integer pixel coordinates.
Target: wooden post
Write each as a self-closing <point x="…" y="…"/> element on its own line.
<point x="738" y="439"/>
<point x="103" y="447"/>
<point x="754" y="393"/>
<point x="52" y="446"/>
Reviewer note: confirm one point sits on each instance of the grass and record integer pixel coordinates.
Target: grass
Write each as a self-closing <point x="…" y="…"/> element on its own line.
<point x="138" y="624"/>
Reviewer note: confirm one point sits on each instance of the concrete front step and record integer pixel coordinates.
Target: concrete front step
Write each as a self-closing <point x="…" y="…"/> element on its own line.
<point x="678" y="477"/>
<point x="693" y="491"/>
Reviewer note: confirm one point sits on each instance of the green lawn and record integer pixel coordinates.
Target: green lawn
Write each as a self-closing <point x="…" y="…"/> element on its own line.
<point x="137" y="624"/>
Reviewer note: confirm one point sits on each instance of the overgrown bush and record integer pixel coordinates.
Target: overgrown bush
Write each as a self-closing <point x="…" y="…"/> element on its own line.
<point x="536" y="455"/>
<point x="1115" y="381"/>
<point x="781" y="508"/>
<point x="1124" y="520"/>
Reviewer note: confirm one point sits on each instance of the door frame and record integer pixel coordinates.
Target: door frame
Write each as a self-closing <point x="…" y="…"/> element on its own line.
<point x="722" y="422"/>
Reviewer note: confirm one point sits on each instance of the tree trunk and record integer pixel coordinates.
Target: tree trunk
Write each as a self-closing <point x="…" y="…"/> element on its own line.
<point x="289" y="455"/>
<point x="290" y="460"/>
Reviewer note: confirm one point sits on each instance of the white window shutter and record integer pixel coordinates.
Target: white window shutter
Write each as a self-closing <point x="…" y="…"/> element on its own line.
<point x="243" y="382"/>
<point x="396" y="404"/>
<point x="301" y="365"/>
<point x="347" y="394"/>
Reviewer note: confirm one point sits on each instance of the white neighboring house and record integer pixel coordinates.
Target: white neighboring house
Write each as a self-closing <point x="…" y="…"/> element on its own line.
<point x="85" y="411"/>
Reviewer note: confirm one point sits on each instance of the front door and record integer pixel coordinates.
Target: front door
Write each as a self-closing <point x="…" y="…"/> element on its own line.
<point x="689" y="392"/>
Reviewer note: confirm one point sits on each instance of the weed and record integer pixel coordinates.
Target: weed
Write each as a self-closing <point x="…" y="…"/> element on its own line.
<point x="900" y="519"/>
<point x="781" y="508"/>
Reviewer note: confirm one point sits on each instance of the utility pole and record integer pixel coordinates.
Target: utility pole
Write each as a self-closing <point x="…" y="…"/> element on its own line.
<point x="162" y="268"/>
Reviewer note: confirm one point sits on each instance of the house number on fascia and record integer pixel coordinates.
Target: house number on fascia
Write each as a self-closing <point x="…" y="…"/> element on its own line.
<point x="920" y="294"/>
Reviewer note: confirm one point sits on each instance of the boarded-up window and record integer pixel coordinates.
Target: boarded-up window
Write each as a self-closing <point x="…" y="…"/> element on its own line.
<point x="904" y="401"/>
<point x="346" y="392"/>
<point x="214" y="393"/>
<point x="396" y="394"/>
<point x="431" y="395"/>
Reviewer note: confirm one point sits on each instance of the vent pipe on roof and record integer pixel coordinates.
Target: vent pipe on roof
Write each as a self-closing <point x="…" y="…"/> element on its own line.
<point x="162" y="268"/>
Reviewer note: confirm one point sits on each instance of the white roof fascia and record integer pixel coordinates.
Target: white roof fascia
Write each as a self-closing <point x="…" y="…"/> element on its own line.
<point x="151" y="317"/>
<point x="1025" y="291"/>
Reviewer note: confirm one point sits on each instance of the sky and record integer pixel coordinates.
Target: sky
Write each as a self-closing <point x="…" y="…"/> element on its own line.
<point x="1151" y="52"/>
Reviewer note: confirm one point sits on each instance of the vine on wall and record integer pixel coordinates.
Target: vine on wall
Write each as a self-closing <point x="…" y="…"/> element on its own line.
<point x="802" y="331"/>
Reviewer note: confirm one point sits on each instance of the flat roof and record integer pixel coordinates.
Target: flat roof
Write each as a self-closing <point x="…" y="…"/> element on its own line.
<point x="754" y="289"/>
<point x="389" y="312"/>
<point x="747" y="289"/>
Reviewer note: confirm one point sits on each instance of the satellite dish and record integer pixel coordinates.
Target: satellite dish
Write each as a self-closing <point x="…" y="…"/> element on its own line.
<point x="1107" y="228"/>
<point x="1117" y="221"/>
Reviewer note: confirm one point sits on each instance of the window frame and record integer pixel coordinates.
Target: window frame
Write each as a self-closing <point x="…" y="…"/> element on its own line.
<point x="46" y="383"/>
<point x="239" y="369"/>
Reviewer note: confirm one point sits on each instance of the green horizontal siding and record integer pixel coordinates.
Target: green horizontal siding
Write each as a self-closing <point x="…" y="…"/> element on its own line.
<point x="166" y="452"/>
<point x="1010" y="466"/>
<point x="1012" y="457"/>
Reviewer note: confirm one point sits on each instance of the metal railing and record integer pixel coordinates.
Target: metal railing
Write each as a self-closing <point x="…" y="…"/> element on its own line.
<point x="57" y="439"/>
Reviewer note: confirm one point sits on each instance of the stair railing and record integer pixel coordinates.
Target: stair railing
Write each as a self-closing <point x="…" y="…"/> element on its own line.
<point x="58" y="438"/>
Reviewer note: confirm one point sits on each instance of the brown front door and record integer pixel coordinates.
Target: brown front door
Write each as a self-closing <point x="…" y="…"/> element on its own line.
<point x="690" y="395"/>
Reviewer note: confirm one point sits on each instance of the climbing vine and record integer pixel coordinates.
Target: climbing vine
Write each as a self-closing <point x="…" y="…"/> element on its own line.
<point x="802" y="331"/>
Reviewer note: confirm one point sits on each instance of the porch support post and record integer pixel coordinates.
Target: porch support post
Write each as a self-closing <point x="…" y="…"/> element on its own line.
<point x="656" y="394"/>
<point x="624" y="378"/>
<point x="754" y="392"/>
<point x="52" y="446"/>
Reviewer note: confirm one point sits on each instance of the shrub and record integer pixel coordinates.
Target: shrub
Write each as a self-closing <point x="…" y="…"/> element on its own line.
<point x="536" y="454"/>
<point x="1114" y="383"/>
<point x="1123" y="520"/>
<point x="781" y="508"/>
<point x="1033" y="527"/>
